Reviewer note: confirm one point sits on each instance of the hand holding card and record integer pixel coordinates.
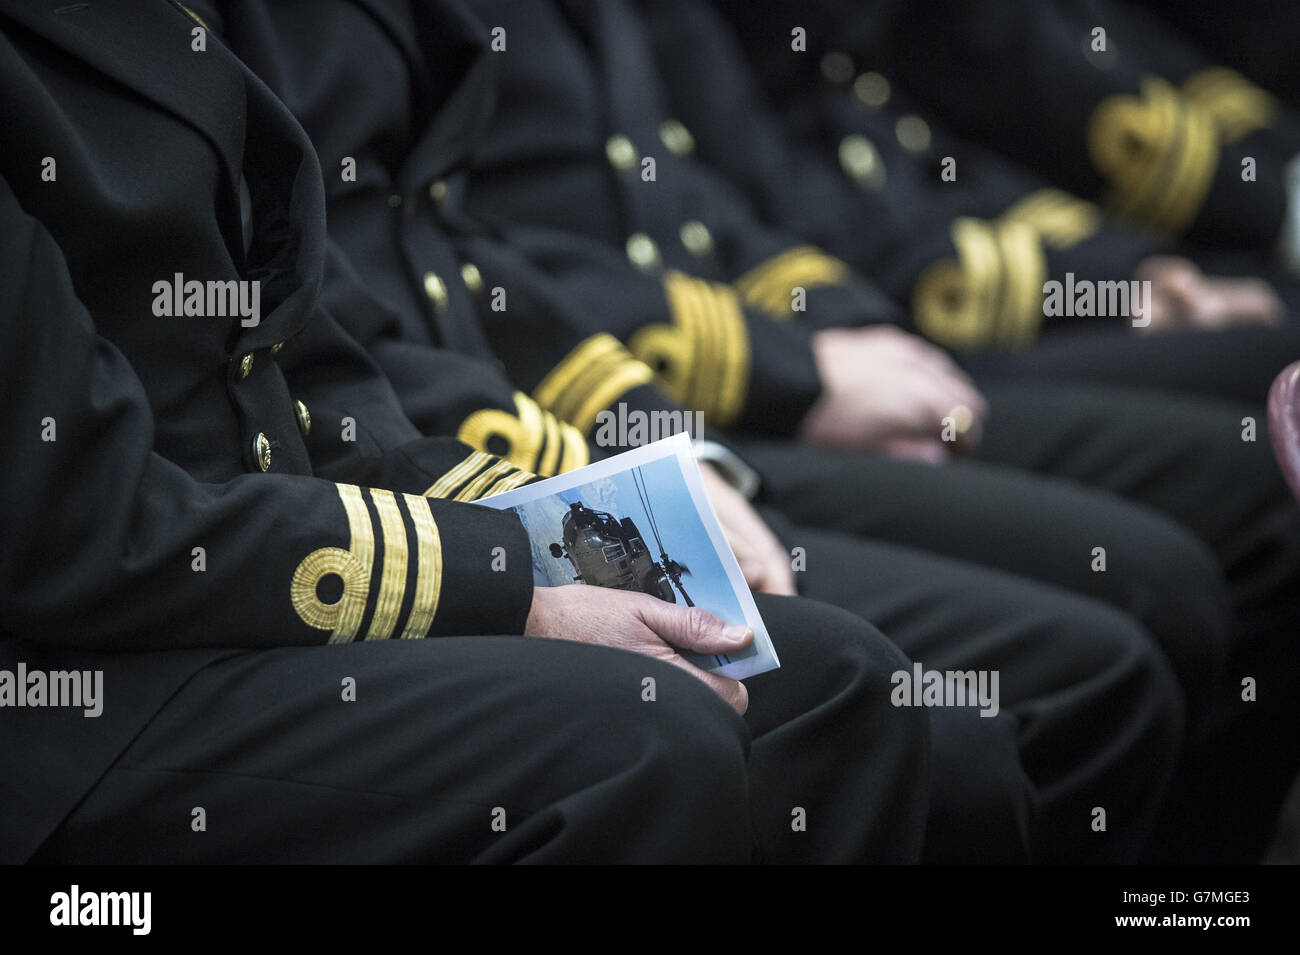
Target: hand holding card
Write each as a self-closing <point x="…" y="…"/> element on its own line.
<point x="641" y="521"/>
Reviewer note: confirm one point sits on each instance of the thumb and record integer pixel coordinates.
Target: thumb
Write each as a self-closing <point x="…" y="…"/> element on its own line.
<point x="693" y="628"/>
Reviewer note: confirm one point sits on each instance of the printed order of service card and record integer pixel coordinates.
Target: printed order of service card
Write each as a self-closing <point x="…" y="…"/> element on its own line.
<point x="642" y="521"/>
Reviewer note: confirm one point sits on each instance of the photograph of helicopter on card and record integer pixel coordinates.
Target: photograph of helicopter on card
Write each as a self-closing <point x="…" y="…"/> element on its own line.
<point x="642" y="521"/>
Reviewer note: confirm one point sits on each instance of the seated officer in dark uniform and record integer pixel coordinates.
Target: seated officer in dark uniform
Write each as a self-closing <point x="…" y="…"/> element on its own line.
<point x="305" y="656"/>
<point x="393" y="109"/>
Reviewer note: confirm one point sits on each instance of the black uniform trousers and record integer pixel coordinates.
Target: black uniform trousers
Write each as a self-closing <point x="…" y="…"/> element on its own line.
<point x="558" y="736"/>
<point x="553" y="741"/>
<point x="1237" y="364"/>
<point x="1096" y="713"/>
<point x="1202" y="506"/>
<point x="1186" y="457"/>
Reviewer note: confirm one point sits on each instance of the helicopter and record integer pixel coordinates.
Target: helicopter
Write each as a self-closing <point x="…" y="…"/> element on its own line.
<point x="607" y="551"/>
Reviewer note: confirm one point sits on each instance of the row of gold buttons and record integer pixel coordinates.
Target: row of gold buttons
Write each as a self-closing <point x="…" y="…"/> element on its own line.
<point x="436" y="288"/>
<point x="858" y="156"/>
<point x="261" y="443"/>
<point x="642" y="251"/>
<point x="677" y="139"/>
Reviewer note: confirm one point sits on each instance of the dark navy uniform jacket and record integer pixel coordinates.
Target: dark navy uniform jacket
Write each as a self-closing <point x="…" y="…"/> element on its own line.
<point x="1152" y="128"/>
<point x="1257" y="37"/>
<point x="593" y="92"/>
<point x="843" y="155"/>
<point x="131" y="440"/>
<point x="584" y="172"/>
<point x="398" y="92"/>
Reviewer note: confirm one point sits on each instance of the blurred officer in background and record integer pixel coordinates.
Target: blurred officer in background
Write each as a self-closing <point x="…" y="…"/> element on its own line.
<point x="1160" y="163"/>
<point x="1180" y="155"/>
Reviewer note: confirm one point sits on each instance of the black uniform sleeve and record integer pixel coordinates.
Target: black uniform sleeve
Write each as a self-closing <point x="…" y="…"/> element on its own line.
<point x="444" y="392"/>
<point x="1156" y="134"/>
<point x="583" y="330"/>
<point x="578" y="330"/>
<point x="818" y="152"/>
<point x="107" y="544"/>
<point x="391" y="280"/>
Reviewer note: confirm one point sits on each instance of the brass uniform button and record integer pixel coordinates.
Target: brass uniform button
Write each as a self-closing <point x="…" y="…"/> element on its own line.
<point x="437" y="192"/>
<point x="245" y="366"/>
<point x="262" y="451"/>
<point x="676" y="137"/>
<point x="275" y="349"/>
<point x="473" y="279"/>
<point x="304" y="418"/>
<point x="861" y="161"/>
<point x="871" y="90"/>
<point x="642" y="251"/>
<point x="696" y="237"/>
<point x="837" y="67"/>
<point x="436" y="289"/>
<point x="620" y="152"/>
<point x="913" y="133"/>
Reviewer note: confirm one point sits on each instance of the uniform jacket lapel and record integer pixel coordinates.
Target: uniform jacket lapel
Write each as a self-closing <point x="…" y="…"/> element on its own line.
<point x="145" y="45"/>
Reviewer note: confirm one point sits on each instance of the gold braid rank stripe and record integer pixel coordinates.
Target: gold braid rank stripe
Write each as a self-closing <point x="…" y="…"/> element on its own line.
<point x="702" y="360"/>
<point x="458" y="475"/>
<point x="470" y="480"/>
<point x="769" y="285"/>
<point x="319" y="615"/>
<point x="509" y="483"/>
<point x="475" y="488"/>
<point x="1024" y="271"/>
<point x="362" y="547"/>
<point x="392" y="585"/>
<point x="428" y="568"/>
<point x="591" y="378"/>
<point x="991" y="293"/>
<point x="1236" y="105"/>
<point x="355" y="567"/>
<point x="534" y="438"/>
<point x="1158" y="152"/>
<point x="954" y="301"/>
<point x="1060" y="219"/>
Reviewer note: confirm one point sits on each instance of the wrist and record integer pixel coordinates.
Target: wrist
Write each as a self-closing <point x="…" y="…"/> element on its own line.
<point x="729" y="466"/>
<point x="532" y="624"/>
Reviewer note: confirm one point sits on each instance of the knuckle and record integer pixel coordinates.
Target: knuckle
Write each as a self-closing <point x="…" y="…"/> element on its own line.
<point x="699" y="622"/>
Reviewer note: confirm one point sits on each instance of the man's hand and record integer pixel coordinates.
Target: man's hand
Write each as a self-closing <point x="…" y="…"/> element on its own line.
<point x="762" y="559"/>
<point x="1183" y="297"/>
<point x="889" y="391"/>
<point x="642" y="624"/>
